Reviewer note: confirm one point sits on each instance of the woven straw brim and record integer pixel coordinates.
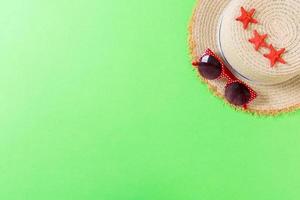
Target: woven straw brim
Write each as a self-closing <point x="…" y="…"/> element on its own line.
<point x="272" y="99"/>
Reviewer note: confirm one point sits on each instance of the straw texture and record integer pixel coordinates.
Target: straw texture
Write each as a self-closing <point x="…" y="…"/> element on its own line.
<point x="280" y="20"/>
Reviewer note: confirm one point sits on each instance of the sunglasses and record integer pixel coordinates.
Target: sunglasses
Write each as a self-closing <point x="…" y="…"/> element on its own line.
<point x="211" y="67"/>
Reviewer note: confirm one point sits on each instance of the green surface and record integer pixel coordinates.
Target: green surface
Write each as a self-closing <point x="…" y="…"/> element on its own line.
<point x="99" y="101"/>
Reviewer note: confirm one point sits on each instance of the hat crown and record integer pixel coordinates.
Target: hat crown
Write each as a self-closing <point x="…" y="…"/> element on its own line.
<point x="280" y="20"/>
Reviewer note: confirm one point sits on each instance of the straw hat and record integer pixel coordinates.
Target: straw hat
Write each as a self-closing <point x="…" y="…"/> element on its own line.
<point x="219" y="25"/>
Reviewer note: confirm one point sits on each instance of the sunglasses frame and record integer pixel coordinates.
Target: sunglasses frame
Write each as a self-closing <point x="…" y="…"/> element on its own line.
<point x="225" y="73"/>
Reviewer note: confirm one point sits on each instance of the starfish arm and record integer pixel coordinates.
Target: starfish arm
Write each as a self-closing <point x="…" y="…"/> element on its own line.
<point x="281" y="51"/>
<point x="243" y="11"/>
<point x="281" y="60"/>
<point x="242" y="17"/>
<point x="254" y="21"/>
<point x="273" y="62"/>
<point x="246" y="23"/>
<point x="255" y="33"/>
<point x="257" y="47"/>
<point x="268" y="56"/>
<point x="239" y="19"/>
<point x="252" y="11"/>
<point x="271" y="48"/>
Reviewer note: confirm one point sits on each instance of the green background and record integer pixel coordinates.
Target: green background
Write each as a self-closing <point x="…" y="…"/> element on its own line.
<point x="99" y="101"/>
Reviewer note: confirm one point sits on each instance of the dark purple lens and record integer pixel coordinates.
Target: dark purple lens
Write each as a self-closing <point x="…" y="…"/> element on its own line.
<point x="209" y="67"/>
<point x="237" y="94"/>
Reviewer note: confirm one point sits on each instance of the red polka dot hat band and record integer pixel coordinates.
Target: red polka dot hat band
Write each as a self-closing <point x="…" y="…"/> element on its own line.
<point x="247" y="51"/>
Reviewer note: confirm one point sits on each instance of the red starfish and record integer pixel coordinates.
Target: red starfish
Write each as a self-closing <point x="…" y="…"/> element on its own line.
<point x="247" y="17"/>
<point x="258" y="40"/>
<point x="275" y="56"/>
